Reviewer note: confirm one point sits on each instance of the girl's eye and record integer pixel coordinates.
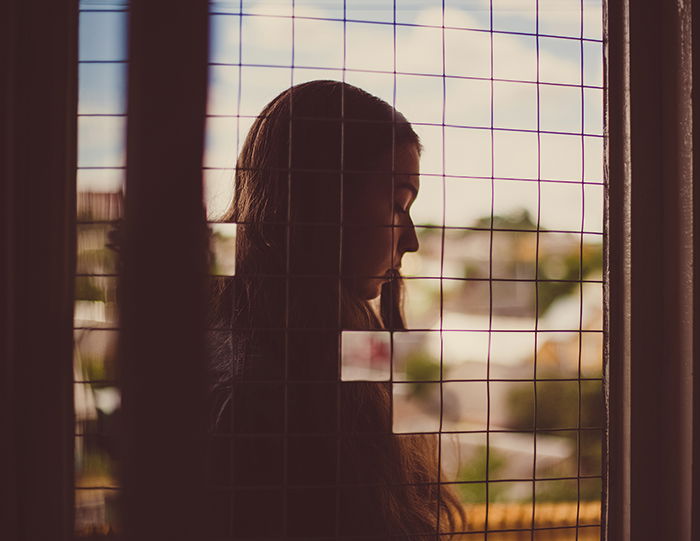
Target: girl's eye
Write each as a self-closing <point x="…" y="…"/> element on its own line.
<point x="400" y="209"/>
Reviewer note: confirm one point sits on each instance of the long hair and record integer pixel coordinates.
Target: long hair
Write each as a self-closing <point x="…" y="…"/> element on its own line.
<point x="288" y="304"/>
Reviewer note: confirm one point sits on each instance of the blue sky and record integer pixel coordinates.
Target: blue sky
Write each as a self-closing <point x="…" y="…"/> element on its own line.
<point x="570" y="149"/>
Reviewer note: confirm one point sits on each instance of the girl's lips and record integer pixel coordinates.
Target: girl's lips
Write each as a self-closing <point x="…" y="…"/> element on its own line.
<point x="393" y="273"/>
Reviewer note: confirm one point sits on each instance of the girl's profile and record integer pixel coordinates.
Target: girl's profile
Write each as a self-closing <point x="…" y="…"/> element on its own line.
<point x="323" y="191"/>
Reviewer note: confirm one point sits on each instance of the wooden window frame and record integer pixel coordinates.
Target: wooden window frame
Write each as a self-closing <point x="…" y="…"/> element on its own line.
<point x="38" y="118"/>
<point x="650" y="261"/>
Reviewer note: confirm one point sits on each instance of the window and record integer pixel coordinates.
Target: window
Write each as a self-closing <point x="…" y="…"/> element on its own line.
<point x="534" y="260"/>
<point x="502" y="355"/>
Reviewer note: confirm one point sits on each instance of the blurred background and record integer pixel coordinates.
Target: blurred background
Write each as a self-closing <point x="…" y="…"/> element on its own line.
<point x="504" y="300"/>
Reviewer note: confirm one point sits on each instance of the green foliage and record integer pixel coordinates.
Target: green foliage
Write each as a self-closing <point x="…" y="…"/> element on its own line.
<point x="95" y="260"/>
<point x="474" y="469"/>
<point x="558" y="407"/>
<point x="557" y="404"/>
<point x="470" y="269"/>
<point x="96" y="368"/>
<point x="575" y="266"/>
<point x="95" y="461"/>
<point x="556" y="491"/>
<point x="568" y="490"/>
<point x="516" y="220"/>
<point x="87" y="290"/>
<point x="420" y="366"/>
<point x="215" y="237"/>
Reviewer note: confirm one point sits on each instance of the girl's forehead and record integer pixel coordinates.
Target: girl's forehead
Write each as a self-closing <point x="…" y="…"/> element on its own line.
<point x="402" y="160"/>
<point x="406" y="167"/>
<point x="399" y="167"/>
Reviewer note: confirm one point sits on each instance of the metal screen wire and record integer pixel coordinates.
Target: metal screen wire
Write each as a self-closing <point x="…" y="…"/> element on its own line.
<point x="501" y="358"/>
<point x="100" y="182"/>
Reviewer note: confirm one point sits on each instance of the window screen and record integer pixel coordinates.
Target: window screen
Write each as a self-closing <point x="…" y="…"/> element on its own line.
<point x="102" y="75"/>
<point x="500" y="360"/>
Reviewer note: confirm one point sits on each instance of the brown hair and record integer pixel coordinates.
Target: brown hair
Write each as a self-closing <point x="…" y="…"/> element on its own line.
<point x="287" y="306"/>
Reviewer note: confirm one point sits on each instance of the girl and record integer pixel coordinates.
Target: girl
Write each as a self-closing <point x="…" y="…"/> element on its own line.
<point x="324" y="185"/>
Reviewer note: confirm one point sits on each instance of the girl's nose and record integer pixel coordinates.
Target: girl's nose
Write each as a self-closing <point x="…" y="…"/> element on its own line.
<point x="409" y="240"/>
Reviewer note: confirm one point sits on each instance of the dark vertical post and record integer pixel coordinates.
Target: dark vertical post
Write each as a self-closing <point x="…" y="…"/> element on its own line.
<point x="616" y="510"/>
<point x="163" y="282"/>
<point x="38" y="65"/>
<point x="650" y="258"/>
<point x="695" y="29"/>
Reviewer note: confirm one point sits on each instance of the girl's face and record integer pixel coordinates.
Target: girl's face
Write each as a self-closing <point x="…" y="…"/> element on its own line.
<point x="377" y="226"/>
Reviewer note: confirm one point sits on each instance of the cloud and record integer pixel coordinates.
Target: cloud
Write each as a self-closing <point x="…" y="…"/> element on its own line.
<point x="467" y="150"/>
<point x="101" y="141"/>
<point x="463" y="99"/>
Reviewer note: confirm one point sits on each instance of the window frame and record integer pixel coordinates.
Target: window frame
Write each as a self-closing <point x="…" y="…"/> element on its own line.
<point x="38" y="115"/>
<point x="650" y="269"/>
<point x="650" y="272"/>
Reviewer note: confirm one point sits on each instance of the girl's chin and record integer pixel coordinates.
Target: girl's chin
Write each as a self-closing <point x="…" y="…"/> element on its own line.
<point x="366" y="288"/>
<point x="371" y="288"/>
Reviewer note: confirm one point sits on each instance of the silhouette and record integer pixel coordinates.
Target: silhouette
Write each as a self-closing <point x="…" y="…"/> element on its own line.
<point x="323" y="189"/>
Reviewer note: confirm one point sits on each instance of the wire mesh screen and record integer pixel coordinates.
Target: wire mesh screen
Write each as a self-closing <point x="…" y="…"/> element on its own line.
<point x="493" y="363"/>
<point x="100" y="181"/>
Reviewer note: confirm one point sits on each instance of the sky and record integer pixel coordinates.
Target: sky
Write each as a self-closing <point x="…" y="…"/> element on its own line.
<point x="568" y="148"/>
<point x="501" y="137"/>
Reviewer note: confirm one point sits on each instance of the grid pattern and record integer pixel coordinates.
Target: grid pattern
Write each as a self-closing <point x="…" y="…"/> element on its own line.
<point x="501" y="359"/>
<point x="100" y="184"/>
